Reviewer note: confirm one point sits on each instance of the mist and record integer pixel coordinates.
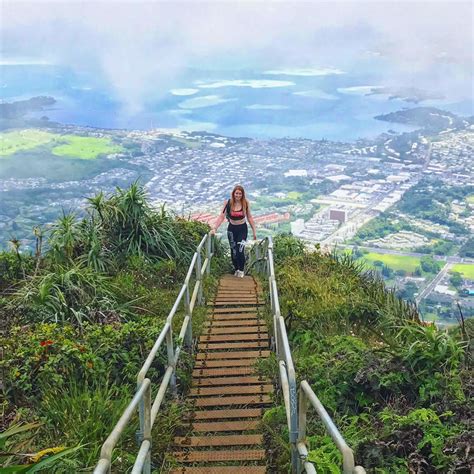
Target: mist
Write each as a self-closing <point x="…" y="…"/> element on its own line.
<point x="144" y="49"/>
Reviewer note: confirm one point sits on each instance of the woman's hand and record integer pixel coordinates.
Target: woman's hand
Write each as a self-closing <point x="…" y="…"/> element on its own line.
<point x="254" y="236"/>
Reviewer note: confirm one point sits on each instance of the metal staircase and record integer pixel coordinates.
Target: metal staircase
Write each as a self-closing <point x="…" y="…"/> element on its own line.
<point x="229" y="398"/>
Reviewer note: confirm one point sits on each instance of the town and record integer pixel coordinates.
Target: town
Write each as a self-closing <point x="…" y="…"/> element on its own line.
<point x="327" y="193"/>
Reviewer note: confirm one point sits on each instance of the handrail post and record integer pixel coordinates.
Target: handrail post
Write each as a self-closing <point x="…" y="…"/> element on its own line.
<point x="208" y="253"/>
<point x="188" y="337"/>
<point x="303" y="409"/>
<point x="147" y="428"/>
<point x="295" y="459"/>
<point x="141" y="415"/>
<point x="171" y="361"/>
<point x="199" y="277"/>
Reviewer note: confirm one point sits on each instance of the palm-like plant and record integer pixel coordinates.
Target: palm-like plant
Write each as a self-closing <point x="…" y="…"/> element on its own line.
<point x="65" y="293"/>
<point x="64" y="239"/>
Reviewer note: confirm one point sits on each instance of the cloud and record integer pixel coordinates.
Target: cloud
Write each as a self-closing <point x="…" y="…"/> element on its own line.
<point x="184" y="91"/>
<point x="252" y="83"/>
<point x="143" y="48"/>
<point x="266" y="107"/>
<point x="358" y="90"/>
<point x="316" y="94"/>
<point x="326" y="71"/>
<point x="204" y="101"/>
<point x="25" y="62"/>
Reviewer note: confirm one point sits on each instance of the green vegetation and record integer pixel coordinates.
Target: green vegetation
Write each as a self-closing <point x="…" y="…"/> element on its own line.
<point x="78" y="320"/>
<point x="467" y="250"/>
<point x="439" y="247"/>
<point x="74" y="146"/>
<point x="188" y="143"/>
<point x="431" y="200"/>
<point x="470" y="199"/>
<point x="396" y="388"/>
<point x="396" y="262"/>
<point x="18" y="140"/>
<point x="465" y="269"/>
<point x="380" y="227"/>
<point x="85" y="148"/>
<point x="294" y="195"/>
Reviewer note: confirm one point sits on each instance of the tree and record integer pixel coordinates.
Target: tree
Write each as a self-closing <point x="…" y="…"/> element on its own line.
<point x="429" y="265"/>
<point x="456" y="280"/>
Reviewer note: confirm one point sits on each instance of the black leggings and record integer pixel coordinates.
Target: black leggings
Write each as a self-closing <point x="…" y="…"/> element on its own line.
<point x="236" y="234"/>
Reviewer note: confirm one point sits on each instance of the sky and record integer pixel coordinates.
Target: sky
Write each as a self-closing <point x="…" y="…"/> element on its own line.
<point x="144" y="48"/>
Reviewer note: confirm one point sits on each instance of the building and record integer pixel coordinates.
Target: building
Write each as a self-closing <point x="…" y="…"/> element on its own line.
<point x="337" y="215"/>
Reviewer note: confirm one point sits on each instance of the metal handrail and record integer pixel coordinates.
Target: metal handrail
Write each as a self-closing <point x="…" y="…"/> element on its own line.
<point x="261" y="258"/>
<point x="143" y="395"/>
<point x="307" y="395"/>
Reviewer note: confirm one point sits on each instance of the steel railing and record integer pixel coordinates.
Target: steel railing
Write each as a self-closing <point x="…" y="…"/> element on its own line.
<point x="261" y="259"/>
<point x="142" y="400"/>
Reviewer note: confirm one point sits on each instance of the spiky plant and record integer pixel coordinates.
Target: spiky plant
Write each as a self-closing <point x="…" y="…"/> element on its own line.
<point x="65" y="293"/>
<point x="64" y="239"/>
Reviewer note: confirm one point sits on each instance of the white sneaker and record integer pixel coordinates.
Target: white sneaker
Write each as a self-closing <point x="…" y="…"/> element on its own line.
<point x="241" y="274"/>
<point x="236" y="273"/>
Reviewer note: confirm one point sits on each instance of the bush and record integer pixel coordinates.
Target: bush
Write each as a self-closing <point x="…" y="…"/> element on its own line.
<point x="395" y="387"/>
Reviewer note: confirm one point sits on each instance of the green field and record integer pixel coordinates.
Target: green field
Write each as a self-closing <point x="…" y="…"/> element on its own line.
<point x="470" y="199"/>
<point x="73" y="146"/>
<point x="11" y="142"/>
<point x="466" y="269"/>
<point x="294" y="195"/>
<point x="396" y="262"/>
<point x="85" y="148"/>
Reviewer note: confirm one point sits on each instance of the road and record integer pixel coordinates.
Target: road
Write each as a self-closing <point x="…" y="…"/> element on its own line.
<point x="432" y="285"/>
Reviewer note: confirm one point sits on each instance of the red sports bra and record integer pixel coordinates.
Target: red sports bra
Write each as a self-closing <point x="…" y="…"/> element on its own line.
<point x="231" y="214"/>
<point x="237" y="214"/>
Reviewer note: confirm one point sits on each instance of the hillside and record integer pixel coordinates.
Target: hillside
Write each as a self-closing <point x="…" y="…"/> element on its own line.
<point x="80" y="315"/>
<point x="398" y="389"/>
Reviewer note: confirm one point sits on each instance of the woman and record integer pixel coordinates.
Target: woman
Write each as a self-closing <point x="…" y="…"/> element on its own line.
<point x="237" y="210"/>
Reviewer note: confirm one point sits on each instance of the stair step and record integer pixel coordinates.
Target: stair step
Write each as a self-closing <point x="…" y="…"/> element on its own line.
<point x="232" y="413"/>
<point x="233" y="401"/>
<point x="218" y="304"/>
<point x="236" y="298"/>
<point x="209" y="346"/>
<point x="219" y="381"/>
<point x="233" y="355"/>
<point x="238" y="292"/>
<point x="242" y="309"/>
<point x="236" y="330"/>
<point x="229" y="440"/>
<point x="236" y="318"/>
<point x="220" y="470"/>
<point x="210" y="456"/>
<point x="207" y="364"/>
<point x="219" y="426"/>
<point x="232" y="390"/>
<point x="230" y="371"/>
<point x="227" y="322"/>
<point x="233" y="337"/>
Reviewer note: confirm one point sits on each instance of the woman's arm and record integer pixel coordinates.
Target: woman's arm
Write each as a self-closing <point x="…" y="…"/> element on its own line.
<point x="251" y="221"/>
<point x="219" y="219"/>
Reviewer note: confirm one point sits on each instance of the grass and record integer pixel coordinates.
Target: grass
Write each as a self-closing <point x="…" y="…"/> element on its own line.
<point x="189" y="143"/>
<point x="466" y="269"/>
<point x="85" y="148"/>
<point x="18" y="140"/>
<point x="470" y="199"/>
<point x="396" y="262"/>
<point x="294" y="195"/>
